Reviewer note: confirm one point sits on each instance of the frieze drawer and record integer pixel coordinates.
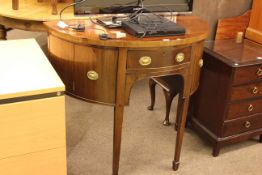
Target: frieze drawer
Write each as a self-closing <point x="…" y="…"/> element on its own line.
<point x="157" y="57"/>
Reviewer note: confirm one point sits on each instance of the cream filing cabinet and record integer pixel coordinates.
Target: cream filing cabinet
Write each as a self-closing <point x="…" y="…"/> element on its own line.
<point x="32" y="112"/>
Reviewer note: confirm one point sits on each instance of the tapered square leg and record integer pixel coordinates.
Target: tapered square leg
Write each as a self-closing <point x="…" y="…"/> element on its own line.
<point x="15" y="4"/>
<point x="3" y="32"/>
<point x="54" y="7"/>
<point x="118" y="120"/>
<point x="216" y="150"/>
<point x="180" y="131"/>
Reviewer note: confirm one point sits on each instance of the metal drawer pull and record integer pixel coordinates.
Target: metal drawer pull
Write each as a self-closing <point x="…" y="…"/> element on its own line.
<point x="201" y="63"/>
<point x="247" y="124"/>
<point x="145" y="61"/>
<point x="259" y="72"/>
<point x="255" y="90"/>
<point x="92" y="75"/>
<point x="250" y="108"/>
<point x="180" y="57"/>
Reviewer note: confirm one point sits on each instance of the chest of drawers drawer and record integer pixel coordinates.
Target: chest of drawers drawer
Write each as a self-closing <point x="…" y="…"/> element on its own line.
<point x="247" y="74"/>
<point x="157" y="57"/>
<point x="247" y="108"/>
<point x="242" y="125"/>
<point x="247" y="91"/>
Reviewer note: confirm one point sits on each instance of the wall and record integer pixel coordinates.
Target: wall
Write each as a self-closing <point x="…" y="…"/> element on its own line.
<point x="212" y="10"/>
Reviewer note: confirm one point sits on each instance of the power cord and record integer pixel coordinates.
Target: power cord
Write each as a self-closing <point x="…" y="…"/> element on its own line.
<point x="75" y="3"/>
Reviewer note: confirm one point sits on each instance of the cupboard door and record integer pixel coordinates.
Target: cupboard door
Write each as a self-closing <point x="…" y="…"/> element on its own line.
<point x="95" y="72"/>
<point x="62" y="58"/>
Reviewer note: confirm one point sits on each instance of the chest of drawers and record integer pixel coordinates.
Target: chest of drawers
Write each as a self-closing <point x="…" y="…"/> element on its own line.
<point x="228" y="104"/>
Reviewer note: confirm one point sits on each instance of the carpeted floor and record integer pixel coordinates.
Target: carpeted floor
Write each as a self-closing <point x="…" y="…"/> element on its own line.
<point x="147" y="145"/>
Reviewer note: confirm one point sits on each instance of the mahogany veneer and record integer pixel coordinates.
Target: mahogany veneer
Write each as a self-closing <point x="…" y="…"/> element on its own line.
<point x="227" y="105"/>
<point x="254" y="30"/>
<point x="104" y="71"/>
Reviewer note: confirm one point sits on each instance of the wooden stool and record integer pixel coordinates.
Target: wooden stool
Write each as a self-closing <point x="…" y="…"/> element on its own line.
<point x="15" y="5"/>
<point x="172" y="85"/>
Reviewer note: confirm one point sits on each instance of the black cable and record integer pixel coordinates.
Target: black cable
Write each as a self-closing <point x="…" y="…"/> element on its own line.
<point x="75" y="3"/>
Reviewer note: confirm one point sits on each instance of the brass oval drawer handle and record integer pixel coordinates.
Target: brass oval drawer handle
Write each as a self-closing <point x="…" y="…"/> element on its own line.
<point x="180" y="57"/>
<point x="201" y="63"/>
<point x="92" y="75"/>
<point x="255" y="90"/>
<point x="259" y="72"/>
<point x="247" y="124"/>
<point x="250" y="108"/>
<point x="145" y="61"/>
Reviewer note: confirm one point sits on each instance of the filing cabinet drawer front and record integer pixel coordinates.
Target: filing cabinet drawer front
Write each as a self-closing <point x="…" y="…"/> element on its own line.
<point x="242" y="125"/>
<point x="157" y="57"/>
<point x="95" y="69"/>
<point x="247" y="74"/>
<point x="247" y="91"/>
<point x="32" y="126"/>
<point x="237" y="110"/>
<point x="45" y="162"/>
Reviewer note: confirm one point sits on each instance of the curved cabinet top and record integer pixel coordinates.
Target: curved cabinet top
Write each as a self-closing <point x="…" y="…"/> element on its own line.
<point x="196" y="30"/>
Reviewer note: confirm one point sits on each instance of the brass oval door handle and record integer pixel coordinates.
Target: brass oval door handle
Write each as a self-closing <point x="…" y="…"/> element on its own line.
<point x="180" y="57"/>
<point x="201" y="63"/>
<point x="250" y="108"/>
<point x="247" y="124"/>
<point x="145" y="61"/>
<point x="92" y="75"/>
<point x="255" y="90"/>
<point x="259" y="72"/>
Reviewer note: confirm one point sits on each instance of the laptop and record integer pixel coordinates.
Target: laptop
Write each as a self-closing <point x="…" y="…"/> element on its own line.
<point x="149" y="25"/>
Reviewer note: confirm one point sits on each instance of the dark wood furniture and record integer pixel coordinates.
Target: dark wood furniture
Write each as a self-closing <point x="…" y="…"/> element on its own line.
<point x="228" y="104"/>
<point x="255" y="26"/>
<point x="172" y="85"/>
<point x="227" y="107"/>
<point x="104" y="71"/>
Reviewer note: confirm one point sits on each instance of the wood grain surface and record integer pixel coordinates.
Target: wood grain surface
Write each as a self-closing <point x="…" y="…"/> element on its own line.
<point x="196" y="30"/>
<point x="254" y="30"/>
<point x="49" y="162"/>
<point x="26" y="71"/>
<point x="228" y="28"/>
<point x="32" y="126"/>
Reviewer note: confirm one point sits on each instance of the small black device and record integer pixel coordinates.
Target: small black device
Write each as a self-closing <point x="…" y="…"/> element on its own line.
<point x="79" y="28"/>
<point x="108" y="23"/>
<point x="104" y="36"/>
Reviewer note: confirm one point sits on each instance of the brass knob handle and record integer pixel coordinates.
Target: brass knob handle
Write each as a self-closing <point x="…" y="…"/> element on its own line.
<point x="201" y="63"/>
<point x="180" y="57"/>
<point x="145" y="61"/>
<point x="259" y="72"/>
<point x="250" y="108"/>
<point x="255" y="90"/>
<point x="92" y="75"/>
<point x="247" y="124"/>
